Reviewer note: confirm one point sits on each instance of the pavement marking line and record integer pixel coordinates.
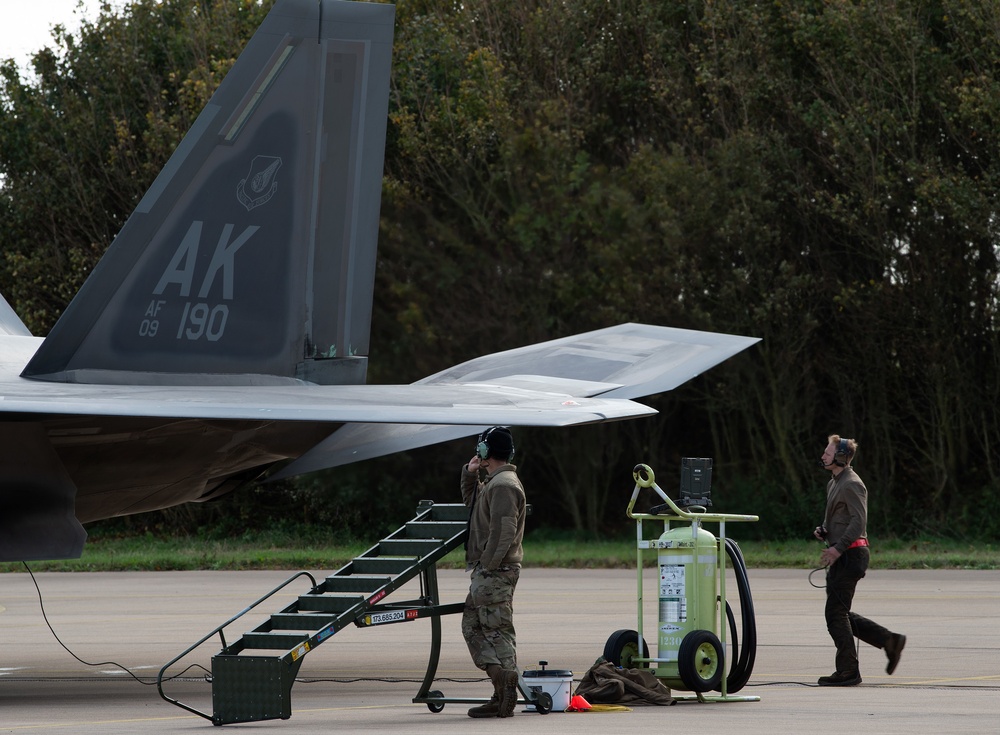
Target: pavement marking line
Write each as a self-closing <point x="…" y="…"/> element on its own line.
<point x="74" y="725"/>
<point x="359" y="707"/>
<point x="70" y="725"/>
<point x="986" y="677"/>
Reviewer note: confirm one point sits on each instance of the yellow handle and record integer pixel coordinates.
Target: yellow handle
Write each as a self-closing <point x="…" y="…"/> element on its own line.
<point x="643" y="475"/>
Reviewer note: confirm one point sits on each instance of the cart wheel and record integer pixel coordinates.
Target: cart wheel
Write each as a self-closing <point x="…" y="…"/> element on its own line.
<point x="435" y="706"/>
<point x="625" y="645"/>
<point x="543" y="703"/>
<point x="701" y="661"/>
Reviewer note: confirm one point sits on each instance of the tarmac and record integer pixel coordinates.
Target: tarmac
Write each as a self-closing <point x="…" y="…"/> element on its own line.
<point x="363" y="680"/>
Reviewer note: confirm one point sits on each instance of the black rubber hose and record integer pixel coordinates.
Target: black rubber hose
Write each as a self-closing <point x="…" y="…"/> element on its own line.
<point x="734" y="641"/>
<point x="742" y="665"/>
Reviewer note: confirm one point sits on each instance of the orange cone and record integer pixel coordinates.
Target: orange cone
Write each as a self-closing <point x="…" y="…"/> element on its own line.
<point x="578" y="704"/>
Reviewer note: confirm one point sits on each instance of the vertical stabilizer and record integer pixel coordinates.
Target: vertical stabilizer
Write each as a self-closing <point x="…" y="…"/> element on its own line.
<point x="252" y="255"/>
<point x="10" y="322"/>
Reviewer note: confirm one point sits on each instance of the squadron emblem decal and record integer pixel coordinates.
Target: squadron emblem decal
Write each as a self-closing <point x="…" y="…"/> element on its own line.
<point x="262" y="182"/>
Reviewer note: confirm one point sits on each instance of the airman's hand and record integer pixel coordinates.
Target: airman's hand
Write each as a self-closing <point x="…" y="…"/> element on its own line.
<point x="828" y="556"/>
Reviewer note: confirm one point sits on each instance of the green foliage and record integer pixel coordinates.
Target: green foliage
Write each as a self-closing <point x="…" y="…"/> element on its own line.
<point x="820" y="175"/>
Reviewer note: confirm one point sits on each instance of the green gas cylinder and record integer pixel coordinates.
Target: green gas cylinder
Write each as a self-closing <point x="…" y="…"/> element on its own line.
<point x="688" y="559"/>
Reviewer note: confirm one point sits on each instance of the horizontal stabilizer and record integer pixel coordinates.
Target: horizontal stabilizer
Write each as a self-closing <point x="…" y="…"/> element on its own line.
<point x="447" y="404"/>
<point x="632" y="360"/>
<point x="643" y="359"/>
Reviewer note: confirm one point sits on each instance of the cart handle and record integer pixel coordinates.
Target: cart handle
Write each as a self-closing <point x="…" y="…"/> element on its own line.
<point x="638" y="473"/>
<point x="644" y="477"/>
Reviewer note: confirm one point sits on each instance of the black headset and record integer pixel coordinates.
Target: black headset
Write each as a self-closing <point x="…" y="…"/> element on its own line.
<point x="483" y="447"/>
<point x="841" y="451"/>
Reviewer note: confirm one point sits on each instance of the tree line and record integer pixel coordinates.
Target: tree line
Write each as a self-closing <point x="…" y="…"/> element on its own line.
<point x="820" y="174"/>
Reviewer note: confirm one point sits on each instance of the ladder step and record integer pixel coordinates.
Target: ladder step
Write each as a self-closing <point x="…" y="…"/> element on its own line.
<point x="403" y="546"/>
<point x="328" y="603"/>
<point x="355" y="582"/>
<point x="434" y="529"/>
<point x="382" y="564"/>
<point x="301" y="621"/>
<point x="273" y="641"/>
<point x="450" y="512"/>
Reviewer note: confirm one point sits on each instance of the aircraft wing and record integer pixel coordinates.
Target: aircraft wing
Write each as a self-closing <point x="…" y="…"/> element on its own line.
<point x="631" y="360"/>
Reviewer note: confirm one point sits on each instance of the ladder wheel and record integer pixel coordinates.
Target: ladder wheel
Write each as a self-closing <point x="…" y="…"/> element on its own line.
<point x="623" y="646"/>
<point x="435" y="707"/>
<point x="700" y="661"/>
<point x="543" y="703"/>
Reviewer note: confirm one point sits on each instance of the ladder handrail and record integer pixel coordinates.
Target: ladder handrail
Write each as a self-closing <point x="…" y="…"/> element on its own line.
<point x="248" y="608"/>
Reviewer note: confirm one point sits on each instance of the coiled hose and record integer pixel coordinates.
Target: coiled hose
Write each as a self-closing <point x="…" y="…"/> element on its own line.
<point x="742" y="659"/>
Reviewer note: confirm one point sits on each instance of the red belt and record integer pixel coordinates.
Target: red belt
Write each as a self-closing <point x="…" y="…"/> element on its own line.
<point x="859" y="542"/>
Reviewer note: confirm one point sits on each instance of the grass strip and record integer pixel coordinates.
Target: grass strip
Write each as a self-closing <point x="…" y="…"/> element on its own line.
<point x="271" y="551"/>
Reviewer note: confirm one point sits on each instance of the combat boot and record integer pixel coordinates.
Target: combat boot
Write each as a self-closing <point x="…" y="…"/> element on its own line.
<point x="490" y="709"/>
<point x="505" y="681"/>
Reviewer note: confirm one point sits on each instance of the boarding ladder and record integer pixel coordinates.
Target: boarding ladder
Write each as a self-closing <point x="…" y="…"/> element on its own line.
<point x="253" y="676"/>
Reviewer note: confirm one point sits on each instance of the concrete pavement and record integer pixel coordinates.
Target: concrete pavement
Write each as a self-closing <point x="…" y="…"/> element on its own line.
<point x="363" y="680"/>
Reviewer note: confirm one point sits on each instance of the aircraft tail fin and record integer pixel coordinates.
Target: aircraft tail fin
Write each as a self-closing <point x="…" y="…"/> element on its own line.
<point x="252" y="255"/>
<point x="10" y="322"/>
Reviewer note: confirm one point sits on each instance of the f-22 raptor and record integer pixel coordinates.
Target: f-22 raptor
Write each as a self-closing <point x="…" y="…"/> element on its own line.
<point x="226" y="329"/>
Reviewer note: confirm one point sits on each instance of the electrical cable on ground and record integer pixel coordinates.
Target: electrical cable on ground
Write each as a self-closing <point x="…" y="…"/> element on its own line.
<point x="41" y="604"/>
